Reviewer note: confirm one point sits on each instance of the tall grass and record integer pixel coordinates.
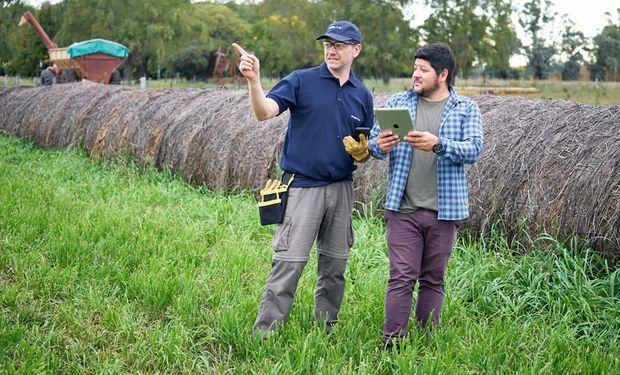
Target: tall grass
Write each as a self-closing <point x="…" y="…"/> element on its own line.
<point x="107" y="268"/>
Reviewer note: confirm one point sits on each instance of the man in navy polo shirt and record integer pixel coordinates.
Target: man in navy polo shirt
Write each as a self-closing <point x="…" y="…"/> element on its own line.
<point x="326" y="103"/>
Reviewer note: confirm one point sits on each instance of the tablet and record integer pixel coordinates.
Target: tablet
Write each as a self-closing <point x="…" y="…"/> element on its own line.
<point x="398" y="120"/>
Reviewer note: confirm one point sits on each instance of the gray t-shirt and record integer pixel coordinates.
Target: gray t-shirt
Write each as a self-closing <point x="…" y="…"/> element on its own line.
<point x="421" y="190"/>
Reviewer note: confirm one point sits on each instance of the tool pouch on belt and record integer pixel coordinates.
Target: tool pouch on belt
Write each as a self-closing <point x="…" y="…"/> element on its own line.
<point x="273" y="200"/>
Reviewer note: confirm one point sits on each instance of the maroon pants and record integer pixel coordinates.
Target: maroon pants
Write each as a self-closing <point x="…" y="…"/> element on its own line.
<point x="419" y="247"/>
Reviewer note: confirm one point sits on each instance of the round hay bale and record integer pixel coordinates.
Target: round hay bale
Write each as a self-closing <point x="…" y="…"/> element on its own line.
<point x="209" y="136"/>
<point x="547" y="166"/>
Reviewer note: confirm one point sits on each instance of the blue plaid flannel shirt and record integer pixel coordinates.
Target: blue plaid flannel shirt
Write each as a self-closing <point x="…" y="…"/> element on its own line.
<point x="460" y="132"/>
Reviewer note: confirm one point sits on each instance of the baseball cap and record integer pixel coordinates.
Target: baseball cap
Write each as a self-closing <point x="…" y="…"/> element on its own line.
<point x="342" y="31"/>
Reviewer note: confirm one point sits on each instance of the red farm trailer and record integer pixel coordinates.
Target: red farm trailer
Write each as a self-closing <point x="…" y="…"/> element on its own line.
<point x="95" y="60"/>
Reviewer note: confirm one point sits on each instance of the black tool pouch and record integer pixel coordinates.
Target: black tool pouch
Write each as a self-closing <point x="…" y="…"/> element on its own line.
<point x="272" y="203"/>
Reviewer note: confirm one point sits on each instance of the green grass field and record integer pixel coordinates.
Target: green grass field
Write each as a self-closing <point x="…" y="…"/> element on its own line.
<point x="607" y="93"/>
<point x="106" y="268"/>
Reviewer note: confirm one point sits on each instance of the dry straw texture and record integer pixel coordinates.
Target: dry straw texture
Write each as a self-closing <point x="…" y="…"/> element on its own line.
<point x="547" y="166"/>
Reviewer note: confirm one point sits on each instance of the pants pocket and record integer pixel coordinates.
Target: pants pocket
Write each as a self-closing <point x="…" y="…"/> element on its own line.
<point x="350" y="236"/>
<point x="281" y="236"/>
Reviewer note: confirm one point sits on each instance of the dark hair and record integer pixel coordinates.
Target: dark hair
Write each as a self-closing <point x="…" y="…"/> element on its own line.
<point x="440" y="57"/>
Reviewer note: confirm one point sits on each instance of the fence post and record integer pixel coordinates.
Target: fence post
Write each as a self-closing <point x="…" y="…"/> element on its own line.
<point x="17" y="80"/>
<point x="143" y="83"/>
<point x="6" y="81"/>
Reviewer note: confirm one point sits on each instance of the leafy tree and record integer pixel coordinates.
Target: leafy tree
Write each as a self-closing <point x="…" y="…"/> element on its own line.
<point x="283" y="37"/>
<point x="246" y="10"/>
<point x="503" y="40"/>
<point x="211" y="27"/>
<point x="283" y="44"/>
<point x="217" y="25"/>
<point x="607" y="53"/>
<point x="572" y="43"/>
<point x="284" y="33"/>
<point x="192" y="63"/>
<point x="478" y="31"/>
<point x="461" y="24"/>
<point x="150" y="29"/>
<point x="535" y="16"/>
<point x="10" y="11"/>
<point x="540" y="59"/>
<point x="572" y="67"/>
<point x="28" y="52"/>
<point x="389" y="40"/>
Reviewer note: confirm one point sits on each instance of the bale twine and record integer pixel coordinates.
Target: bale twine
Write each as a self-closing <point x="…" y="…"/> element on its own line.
<point x="547" y="166"/>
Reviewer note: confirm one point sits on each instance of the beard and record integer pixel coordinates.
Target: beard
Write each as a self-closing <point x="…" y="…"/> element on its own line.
<point x="425" y="92"/>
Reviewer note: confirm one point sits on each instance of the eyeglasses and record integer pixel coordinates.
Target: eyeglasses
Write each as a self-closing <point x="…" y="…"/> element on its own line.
<point x="339" y="46"/>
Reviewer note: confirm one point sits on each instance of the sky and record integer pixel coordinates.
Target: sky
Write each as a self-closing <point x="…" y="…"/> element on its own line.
<point x="589" y="16"/>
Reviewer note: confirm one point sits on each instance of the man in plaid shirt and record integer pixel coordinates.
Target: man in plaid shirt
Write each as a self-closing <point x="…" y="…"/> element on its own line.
<point x="427" y="187"/>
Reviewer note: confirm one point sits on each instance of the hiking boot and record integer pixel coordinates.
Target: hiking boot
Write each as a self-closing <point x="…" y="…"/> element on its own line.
<point x="392" y="343"/>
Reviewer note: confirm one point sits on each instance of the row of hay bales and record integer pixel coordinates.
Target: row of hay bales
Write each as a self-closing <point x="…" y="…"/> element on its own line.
<point x="547" y="166"/>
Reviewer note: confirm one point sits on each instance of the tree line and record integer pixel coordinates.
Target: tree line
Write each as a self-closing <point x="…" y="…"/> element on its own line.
<point x="170" y="37"/>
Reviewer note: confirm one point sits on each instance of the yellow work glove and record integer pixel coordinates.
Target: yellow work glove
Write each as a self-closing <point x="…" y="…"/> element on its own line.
<point x="359" y="150"/>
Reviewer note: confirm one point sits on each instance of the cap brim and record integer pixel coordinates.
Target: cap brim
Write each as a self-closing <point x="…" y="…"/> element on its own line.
<point x="336" y="37"/>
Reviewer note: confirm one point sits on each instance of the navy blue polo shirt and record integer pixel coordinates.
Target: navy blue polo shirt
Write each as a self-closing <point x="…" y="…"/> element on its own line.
<point x="322" y="113"/>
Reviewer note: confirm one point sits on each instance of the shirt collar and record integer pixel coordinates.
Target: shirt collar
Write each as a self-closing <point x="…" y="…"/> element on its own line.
<point x="325" y="73"/>
<point x="454" y="98"/>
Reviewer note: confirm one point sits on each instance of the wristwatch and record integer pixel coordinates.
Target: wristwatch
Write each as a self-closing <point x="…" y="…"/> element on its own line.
<point x="438" y="149"/>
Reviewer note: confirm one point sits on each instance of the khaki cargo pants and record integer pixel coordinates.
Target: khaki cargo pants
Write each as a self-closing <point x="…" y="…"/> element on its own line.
<point x="318" y="213"/>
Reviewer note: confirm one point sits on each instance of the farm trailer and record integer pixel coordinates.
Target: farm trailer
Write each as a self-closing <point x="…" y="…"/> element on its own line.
<point x="95" y="60"/>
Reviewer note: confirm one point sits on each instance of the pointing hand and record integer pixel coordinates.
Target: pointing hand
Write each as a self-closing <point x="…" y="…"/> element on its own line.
<point x="249" y="65"/>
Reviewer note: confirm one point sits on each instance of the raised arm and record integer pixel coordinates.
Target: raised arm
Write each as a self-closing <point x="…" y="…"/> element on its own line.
<point x="249" y="66"/>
